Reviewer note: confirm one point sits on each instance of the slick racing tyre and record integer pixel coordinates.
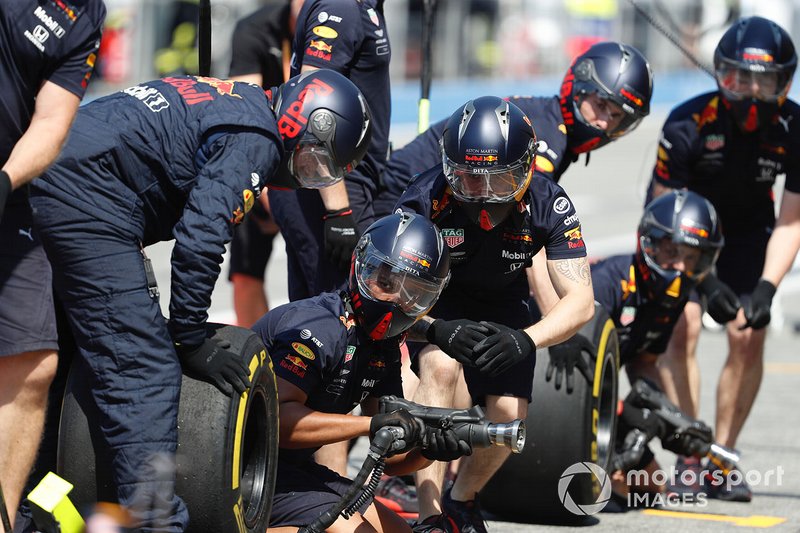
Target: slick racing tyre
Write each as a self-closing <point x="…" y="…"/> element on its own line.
<point x="227" y="446"/>
<point x="562" y="429"/>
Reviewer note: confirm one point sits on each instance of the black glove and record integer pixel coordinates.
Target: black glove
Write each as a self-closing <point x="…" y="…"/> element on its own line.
<point x="567" y="356"/>
<point x="504" y="348"/>
<point x="457" y="338"/>
<point x="757" y="310"/>
<point x="341" y="236"/>
<point x="5" y="191"/>
<point x="693" y="440"/>
<point x="214" y="363"/>
<point x="444" y="445"/>
<point x="721" y="302"/>
<point x="411" y="426"/>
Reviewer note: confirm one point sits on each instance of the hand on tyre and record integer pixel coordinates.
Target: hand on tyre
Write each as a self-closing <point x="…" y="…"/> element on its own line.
<point x="411" y="426"/>
<point x="341" y="236"/>
<point x="441" y="444"/>
<point x="566" y="357"/>
<point x="502" y="349"/>
<point x="757" y="311"/>
<point x="214" y="363"/>
<point x="457" y="338"/>
<point x="722" y="303"/>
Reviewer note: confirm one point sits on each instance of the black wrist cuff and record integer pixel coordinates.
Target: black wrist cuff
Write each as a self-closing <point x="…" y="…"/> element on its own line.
<point x="338" y="213"/>
<point x="769" y="288"/>
<point x="530" y="340"/>
<point x="429" y="333"/>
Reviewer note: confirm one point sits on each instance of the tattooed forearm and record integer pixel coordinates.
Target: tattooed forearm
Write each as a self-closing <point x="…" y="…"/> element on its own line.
<point x="576" y="270"/>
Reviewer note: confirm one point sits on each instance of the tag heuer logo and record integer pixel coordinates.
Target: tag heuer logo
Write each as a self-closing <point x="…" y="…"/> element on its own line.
<point x="453" y="237"/>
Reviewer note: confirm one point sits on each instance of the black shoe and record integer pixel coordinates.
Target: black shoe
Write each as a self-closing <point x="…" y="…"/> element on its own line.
<point x="466" y="516"/>
<point x="730" y="488"/>
<point x="438" y="523"/>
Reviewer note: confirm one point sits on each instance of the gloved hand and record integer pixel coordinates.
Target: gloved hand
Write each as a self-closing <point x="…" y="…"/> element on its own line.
<point x="628" y="453"/>
<point x="567" y="356"/>
<point x="757" y="311"/>
<point x="5" y="191"/>
<point x="214" y="363"/>
<point x="504" y="348"/>
<point x="411" y="426"/>
<point x="721" y="301"/>
<point x="694" y="440"/>
<point x="341" y="236"/>
<point x="444" y="445"/>
<point x="457" y="338"/>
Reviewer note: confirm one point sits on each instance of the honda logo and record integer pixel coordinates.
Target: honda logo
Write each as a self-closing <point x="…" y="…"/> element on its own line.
<point x="40" y="33"/>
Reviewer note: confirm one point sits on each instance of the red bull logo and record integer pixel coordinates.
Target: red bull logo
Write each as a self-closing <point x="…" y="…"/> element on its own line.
<point x="292" y="121"/>
<point x="187" y="89"/>
<point x="322" y="46"/>
<point x="700" y="232"/>
<point x="708" y="115"/>
<point x="757" y="55"/>
<point x="296" y="361"/>
<point x="223" y="87"/>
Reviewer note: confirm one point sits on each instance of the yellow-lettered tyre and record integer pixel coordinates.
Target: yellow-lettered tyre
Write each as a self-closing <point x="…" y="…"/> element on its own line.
<point x="227" y="446"/>
<point x="562" y="429"/>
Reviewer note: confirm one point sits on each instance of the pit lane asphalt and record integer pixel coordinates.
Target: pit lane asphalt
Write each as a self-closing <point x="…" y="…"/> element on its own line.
<point x="608" y="195"/>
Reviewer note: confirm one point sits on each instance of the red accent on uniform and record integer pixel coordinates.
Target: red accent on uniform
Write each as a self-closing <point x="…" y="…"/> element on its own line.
<point x="751" y="123"/>
<point x="619" y="407"/>
<point x="486" y="221"/>
<point x="587" y="146"/>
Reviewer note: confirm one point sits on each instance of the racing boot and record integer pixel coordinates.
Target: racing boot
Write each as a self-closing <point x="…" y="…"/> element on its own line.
<point x="730" y="488"/>
<point x="398" y="496"/>
<point x="438" y="523"/>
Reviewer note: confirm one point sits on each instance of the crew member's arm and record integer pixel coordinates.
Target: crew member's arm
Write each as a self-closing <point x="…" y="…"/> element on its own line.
<point x="401" y="464"/>
<point x="785" y="240"/>
<point x="42" y="141"/>
<point x="572" y="282"/>
<point x="540" y="285"/>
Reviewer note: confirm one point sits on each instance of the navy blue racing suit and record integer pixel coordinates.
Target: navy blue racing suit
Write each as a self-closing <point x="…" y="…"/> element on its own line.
<point x="181" y="158"/>
<point x="351" y="38"/>
<point x="316" y="346"/>
<point x="702" y="149"/>
<point x="488" y="280"/>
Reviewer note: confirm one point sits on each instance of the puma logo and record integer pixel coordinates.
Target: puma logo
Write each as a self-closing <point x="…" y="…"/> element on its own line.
<point x="27" y="233"/>
<point x="785" y="122"/>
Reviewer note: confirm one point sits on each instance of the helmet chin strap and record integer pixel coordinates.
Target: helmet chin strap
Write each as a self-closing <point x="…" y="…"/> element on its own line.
<point x="486" y="221"/>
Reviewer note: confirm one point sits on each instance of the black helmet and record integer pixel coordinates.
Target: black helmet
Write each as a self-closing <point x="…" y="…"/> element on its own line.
<point x="400" y="267"/>
<point x="326" y="128"/>
<point x="754" y="50"/>
<point x="616" y="72"/>
<point x="677" y="226"/>
<point x="488" y="150"/>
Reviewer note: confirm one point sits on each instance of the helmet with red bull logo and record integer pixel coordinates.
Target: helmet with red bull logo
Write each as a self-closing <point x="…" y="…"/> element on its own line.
<point x="754" y="64"/>
<point x="488" y="149"/>
<point x="400" y="267"/>
<point x="326" y="127"/>
<point x="679" y="240"/>
<point x="620" y="77"/>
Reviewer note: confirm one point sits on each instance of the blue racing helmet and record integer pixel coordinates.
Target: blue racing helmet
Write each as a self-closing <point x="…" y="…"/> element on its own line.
<point x="754" y="63"/>
<point x="400" y="267"/>
<point x="679" y="240"/>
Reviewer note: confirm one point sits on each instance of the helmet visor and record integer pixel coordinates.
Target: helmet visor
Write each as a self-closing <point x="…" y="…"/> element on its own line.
<point x="313" y="164"/>
<point x="489" y="184"/>
<point x="665" y="254"/>
<point x="380" y="279"/>
<point x="740" y="81"/>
